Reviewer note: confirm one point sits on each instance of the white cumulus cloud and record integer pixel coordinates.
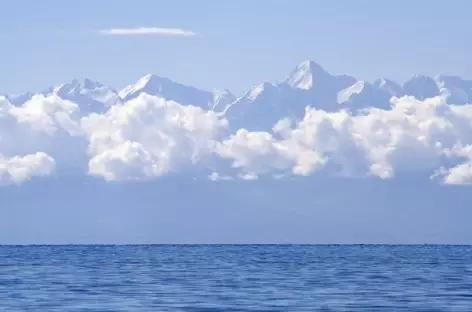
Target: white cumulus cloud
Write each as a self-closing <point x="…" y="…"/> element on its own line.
<point x="20" y="168"/>
<point x="34" y="135"/>
<point x="148" y="137"/>
<point x="412" y="135"/>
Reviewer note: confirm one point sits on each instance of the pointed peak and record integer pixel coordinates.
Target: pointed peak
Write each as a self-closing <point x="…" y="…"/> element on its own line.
<point x="148" y="77"/>
<point x="222" y="98"/>
<point x="222" y="94"/>
<point x="310" y="65"/>
<point x="263" y="87"/>
<point x="304" y="74"/>
<point x="151" y="78"/>
<point x="149" y="81"/>
<point x="256" y="90"/>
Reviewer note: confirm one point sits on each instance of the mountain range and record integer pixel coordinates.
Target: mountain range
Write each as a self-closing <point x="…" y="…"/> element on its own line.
<point x="260" y="107"/>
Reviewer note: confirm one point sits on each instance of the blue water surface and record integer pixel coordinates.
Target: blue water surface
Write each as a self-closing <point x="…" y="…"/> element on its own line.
<point x="236" y="278"/>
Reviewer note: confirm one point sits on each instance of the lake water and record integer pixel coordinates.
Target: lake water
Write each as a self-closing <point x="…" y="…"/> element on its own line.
<point x="236" y="278"/>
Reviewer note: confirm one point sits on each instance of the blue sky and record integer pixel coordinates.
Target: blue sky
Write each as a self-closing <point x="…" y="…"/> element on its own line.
<point x="72" y="170"/>
<point x="238" y="43"/>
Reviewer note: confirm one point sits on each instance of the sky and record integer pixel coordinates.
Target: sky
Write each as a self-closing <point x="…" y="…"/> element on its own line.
<point x="229" y="44"/>
<point x="169" y="211"/>
<point x="76" y="168"/>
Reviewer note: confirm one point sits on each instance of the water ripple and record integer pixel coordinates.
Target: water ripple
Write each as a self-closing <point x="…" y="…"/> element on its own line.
<point x="236" y="278"/>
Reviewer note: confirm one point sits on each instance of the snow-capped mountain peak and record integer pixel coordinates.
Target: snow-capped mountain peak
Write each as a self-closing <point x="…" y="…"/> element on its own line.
<point x="165" y="88"/>
<point x="262" y="105"/>
<point x="221" y="93"/>
<point x="78" y="87"/>
<point x="304" y="75"/>
<point x="257" y="90"/>
<point x="222" y="98"/>
<point x="90" y="95"/>
<point x="150" y="83"/>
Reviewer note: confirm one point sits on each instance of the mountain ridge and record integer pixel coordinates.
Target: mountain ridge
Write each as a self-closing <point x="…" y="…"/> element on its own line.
<point x="308" y="84"/>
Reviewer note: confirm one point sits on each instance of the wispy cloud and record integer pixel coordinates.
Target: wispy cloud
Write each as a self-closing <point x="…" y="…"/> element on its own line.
<point x="147" y="31"/>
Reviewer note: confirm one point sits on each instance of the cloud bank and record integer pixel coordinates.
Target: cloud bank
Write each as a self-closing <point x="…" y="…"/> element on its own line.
<point x="148" y="137"/>
<point x="155" y="31"/>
